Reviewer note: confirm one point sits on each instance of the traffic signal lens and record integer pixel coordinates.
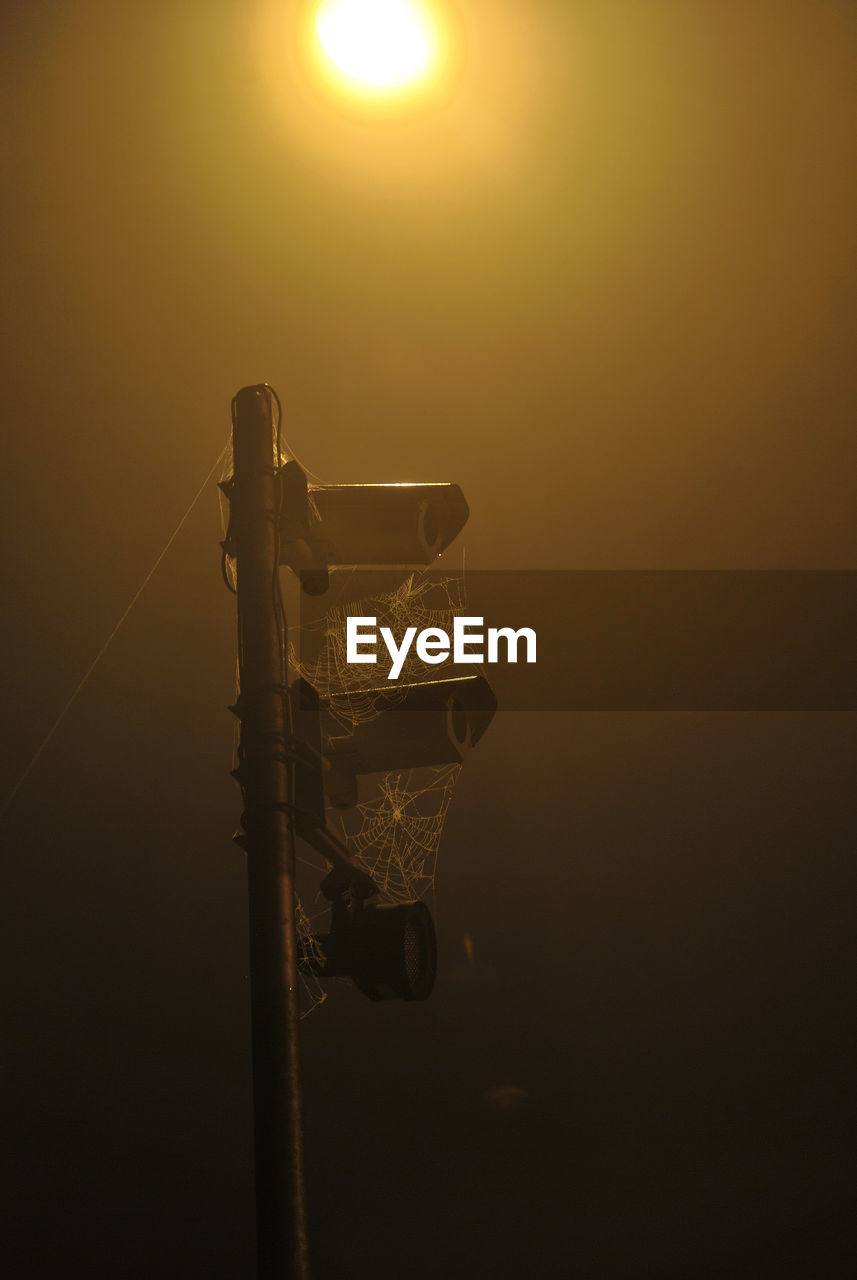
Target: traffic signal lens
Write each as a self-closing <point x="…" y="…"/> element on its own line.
<point x="394" y="951"/>
<point x="413" y="955"/>
<point x="458" y="722"/>
<point x="430" y="530"/>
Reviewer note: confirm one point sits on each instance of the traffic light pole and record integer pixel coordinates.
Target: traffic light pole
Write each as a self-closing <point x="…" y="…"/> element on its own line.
<point x="266" y="774"/>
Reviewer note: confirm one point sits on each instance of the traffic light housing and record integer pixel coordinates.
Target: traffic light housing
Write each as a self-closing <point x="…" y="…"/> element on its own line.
<point x="388" y="949"/>
<point x="433" y="722"/>
<point x="364" y="524"/>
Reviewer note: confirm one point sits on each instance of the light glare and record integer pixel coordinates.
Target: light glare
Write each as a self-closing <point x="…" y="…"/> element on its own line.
<point x="384" y="43"/>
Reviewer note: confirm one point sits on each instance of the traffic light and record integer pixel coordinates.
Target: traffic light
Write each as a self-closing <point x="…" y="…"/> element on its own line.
<point x="364" y="524"/>
<point x="388" y="949"/>
<point x="433" y="722"/>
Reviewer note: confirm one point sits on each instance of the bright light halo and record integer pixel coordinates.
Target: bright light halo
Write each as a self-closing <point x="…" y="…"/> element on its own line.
<point x="384" y="44"/>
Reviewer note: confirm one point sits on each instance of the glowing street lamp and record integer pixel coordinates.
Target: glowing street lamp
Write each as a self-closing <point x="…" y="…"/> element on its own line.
<point x="382" y="44"/>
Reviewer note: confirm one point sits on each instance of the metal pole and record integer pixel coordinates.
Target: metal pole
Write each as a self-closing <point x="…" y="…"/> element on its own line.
<point x="267" y="779"/>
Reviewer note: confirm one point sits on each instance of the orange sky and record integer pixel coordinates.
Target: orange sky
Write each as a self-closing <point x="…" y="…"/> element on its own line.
<point x="606" y="283"/>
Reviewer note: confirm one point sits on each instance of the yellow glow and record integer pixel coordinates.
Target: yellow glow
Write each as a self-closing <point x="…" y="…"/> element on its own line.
<point x="383" y="43"/>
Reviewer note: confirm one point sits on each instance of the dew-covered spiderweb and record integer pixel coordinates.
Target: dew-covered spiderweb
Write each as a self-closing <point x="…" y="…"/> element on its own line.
<point x="351" y="692"/>
<point x="396" y="834"/>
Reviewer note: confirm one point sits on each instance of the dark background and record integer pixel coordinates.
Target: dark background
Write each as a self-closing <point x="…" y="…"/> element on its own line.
<point x="607" y="284"/>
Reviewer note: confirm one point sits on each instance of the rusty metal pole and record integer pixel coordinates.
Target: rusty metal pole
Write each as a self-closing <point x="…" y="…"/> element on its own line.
<point x="266" y="773"/>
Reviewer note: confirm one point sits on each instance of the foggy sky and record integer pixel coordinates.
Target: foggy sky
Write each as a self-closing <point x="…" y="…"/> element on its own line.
<point x="607" y="285"/>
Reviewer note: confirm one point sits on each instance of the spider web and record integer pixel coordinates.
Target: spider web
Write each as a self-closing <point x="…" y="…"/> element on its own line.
<point x="395" y="832"/>
<point x="312" y="992"/>
<point x="418" y="601"/>
<point x="396" y="835"/>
